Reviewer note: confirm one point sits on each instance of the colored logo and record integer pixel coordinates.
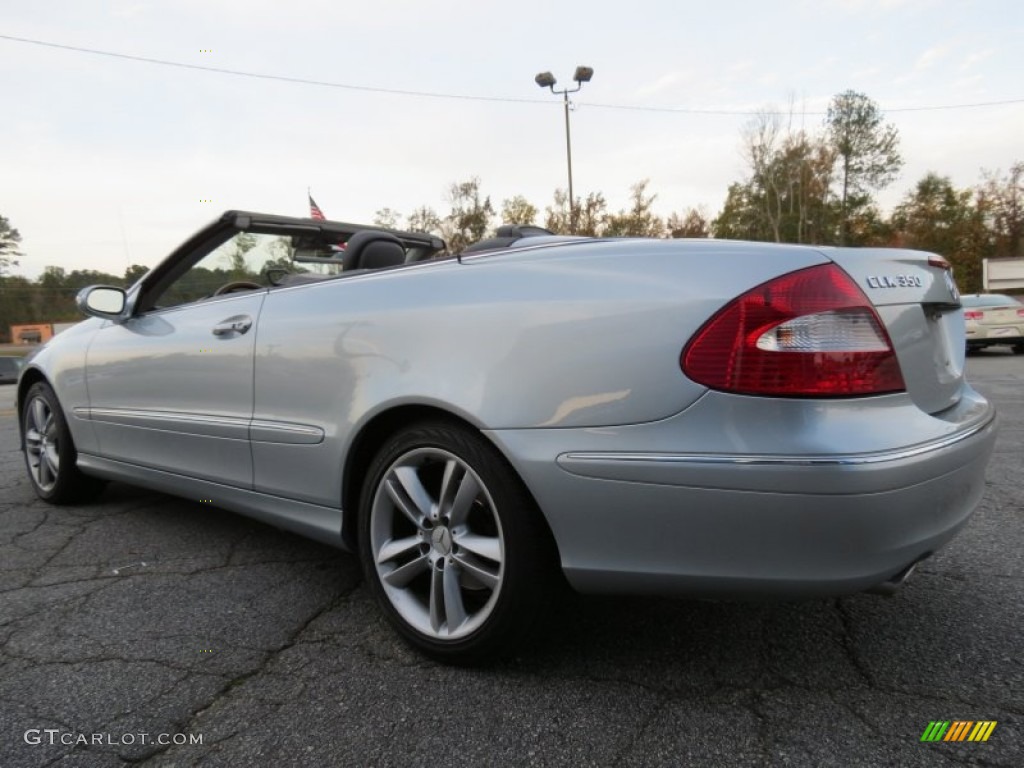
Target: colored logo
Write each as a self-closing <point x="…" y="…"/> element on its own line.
<point x="958" y="730"/>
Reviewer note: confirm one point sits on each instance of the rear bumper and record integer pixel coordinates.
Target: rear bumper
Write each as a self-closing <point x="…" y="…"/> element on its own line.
<point x="755" y="524"/>
<point x="981" y="343"/>
<point x="981" y="337"/>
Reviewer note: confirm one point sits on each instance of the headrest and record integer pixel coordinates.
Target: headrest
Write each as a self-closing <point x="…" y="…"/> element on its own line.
<point x="373" y="249"/>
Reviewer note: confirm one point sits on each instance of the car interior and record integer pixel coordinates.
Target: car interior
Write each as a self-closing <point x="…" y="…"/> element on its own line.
<point x="247" y="251"/>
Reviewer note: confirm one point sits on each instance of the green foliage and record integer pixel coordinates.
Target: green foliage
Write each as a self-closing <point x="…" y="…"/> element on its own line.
<point x="937" y="217"/>
<point x="282" y="251"/>
<point x="740" y="217"/>
<point x="518" y="210"/>
<point x="387" y="218"/>
<point x="235" y="253"/>
<point x="9" y="240"/>
<point x="17" y="304"/>
<point x="789" y="197"/>
<point x="557" y="216"/>
<point x="134" y="273"/>
<point x="50" y="299"/>
<point x="867" y="227"/>
<point x="1002" y="201"/>
<point x="786" y="198"/>
<point x="424" y="219"/>
<point x="691" y="223"/>
<point x="866" y="149"/>
<point x="801" y="188"/>
<point x="197" y="283"/>
<point x="639" y="220"/>
<point x="470" y="215"/>
<point x="591" y="215"/>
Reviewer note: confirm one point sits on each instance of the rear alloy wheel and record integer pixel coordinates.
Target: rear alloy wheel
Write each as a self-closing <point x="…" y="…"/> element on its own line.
<point x="451" y="543"/>
<point x="50" y="454"/>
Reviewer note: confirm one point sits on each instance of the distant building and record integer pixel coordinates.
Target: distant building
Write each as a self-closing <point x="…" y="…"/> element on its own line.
<point x="37" y="333"/>
<point x="34" y="333"/>
<point x="1000" y="275"/>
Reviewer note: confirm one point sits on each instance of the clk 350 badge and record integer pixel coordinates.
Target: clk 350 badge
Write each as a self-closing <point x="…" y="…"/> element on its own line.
<point x="896" y="281"/>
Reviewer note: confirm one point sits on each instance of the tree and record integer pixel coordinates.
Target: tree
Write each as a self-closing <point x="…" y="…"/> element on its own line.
<point x="282" y="251"/>
<point x="591" y="215"/>
<point x="558" y="217"/>
<point x="867" y="227"/>
<point x="740" y="217"/>
<point x="786" y="197"/>
<point x="387" y="218"/>
<point x="639" y="220"/>
<point x="866" y="151"/>
<point x="234" y="254"/>
<point x="470" y="215"/>
<point x="939" y="218"/>
<point x="691" y="223"/>
<point x="1003" y="202"/>
<point x="518" y="210"/>
<point x="761" y="138"/>
<point x="133" y="273"/>
<point x="424" y="219"/>
<point x="810" y="161"/>
<point x="17" y="304"/>
<point x="9" y="240"/>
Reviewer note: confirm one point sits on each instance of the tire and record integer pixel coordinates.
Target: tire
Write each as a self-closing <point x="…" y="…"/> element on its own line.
<point x="50" y="454"/>
<point x="1018" y="349"/>
<point x="452" y="544"/>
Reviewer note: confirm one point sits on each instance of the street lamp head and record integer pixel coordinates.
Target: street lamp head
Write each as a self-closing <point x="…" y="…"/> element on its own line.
<point x="583" y="74"/>
<point x="545" y="80"/>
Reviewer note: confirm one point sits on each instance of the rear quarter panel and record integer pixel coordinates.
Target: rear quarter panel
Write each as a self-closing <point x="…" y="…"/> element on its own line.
<point x="587" y="335"/>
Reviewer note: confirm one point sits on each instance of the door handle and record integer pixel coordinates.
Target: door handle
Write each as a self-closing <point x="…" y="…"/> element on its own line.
<point x="233" y="325"/>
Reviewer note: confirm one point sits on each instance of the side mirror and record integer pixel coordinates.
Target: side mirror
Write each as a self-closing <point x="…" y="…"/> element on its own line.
<point x="101" y="301"/>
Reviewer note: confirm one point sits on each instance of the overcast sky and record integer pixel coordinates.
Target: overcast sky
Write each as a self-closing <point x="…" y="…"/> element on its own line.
<point x="107" y="162"/>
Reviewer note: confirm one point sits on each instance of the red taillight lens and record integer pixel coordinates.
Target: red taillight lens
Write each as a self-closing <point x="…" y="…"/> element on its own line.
<point x="973" y="314"/>
<point x="1020" y="313"/>
<point x="808" y="333"/>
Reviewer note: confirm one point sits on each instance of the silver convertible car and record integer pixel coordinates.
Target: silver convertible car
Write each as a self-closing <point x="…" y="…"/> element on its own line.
<point x="694" y="417"/>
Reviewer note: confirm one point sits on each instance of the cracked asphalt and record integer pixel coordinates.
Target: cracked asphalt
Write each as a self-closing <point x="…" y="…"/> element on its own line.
<point x="146" y="614"/>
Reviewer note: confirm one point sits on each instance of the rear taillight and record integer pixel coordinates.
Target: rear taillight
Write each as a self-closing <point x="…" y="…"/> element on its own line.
<point x="1020" y="313"/>
<point x="973" y="314"/>
<point x="808" y="333"/>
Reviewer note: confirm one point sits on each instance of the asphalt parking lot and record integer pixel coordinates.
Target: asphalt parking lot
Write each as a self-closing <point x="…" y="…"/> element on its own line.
<point x="145" y="617"/>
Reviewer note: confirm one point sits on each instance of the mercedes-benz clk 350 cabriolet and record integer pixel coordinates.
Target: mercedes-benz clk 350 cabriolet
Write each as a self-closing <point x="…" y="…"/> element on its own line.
<point x="693" y="417"/>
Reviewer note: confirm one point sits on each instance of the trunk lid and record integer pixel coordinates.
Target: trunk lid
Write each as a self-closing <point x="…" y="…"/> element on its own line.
<point x="917" y="300"/>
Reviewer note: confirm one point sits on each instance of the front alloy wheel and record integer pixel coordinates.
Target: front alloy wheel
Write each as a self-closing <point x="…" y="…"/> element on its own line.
<point x="42" y="444"/>
<point x="50" y="454"/>
<point x="451" y="543"/>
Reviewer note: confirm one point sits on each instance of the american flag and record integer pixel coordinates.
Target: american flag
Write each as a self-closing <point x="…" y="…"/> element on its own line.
<point x="314" y="210"/>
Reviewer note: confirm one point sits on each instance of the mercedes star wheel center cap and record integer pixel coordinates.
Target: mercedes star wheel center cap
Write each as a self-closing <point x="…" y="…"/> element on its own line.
<point x="441" y="538"/>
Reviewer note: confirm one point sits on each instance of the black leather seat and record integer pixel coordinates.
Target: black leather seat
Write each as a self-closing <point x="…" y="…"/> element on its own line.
<point x="372" y="249"/>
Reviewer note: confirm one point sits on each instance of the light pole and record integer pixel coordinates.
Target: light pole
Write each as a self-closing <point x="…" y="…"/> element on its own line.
<point x="547" y="80"/>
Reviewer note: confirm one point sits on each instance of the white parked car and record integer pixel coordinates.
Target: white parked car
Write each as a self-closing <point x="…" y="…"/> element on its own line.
<point x="992" y="318"/>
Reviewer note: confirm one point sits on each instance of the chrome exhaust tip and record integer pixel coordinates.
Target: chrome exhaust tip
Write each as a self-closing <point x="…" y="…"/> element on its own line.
<point x="890" y="586"/>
